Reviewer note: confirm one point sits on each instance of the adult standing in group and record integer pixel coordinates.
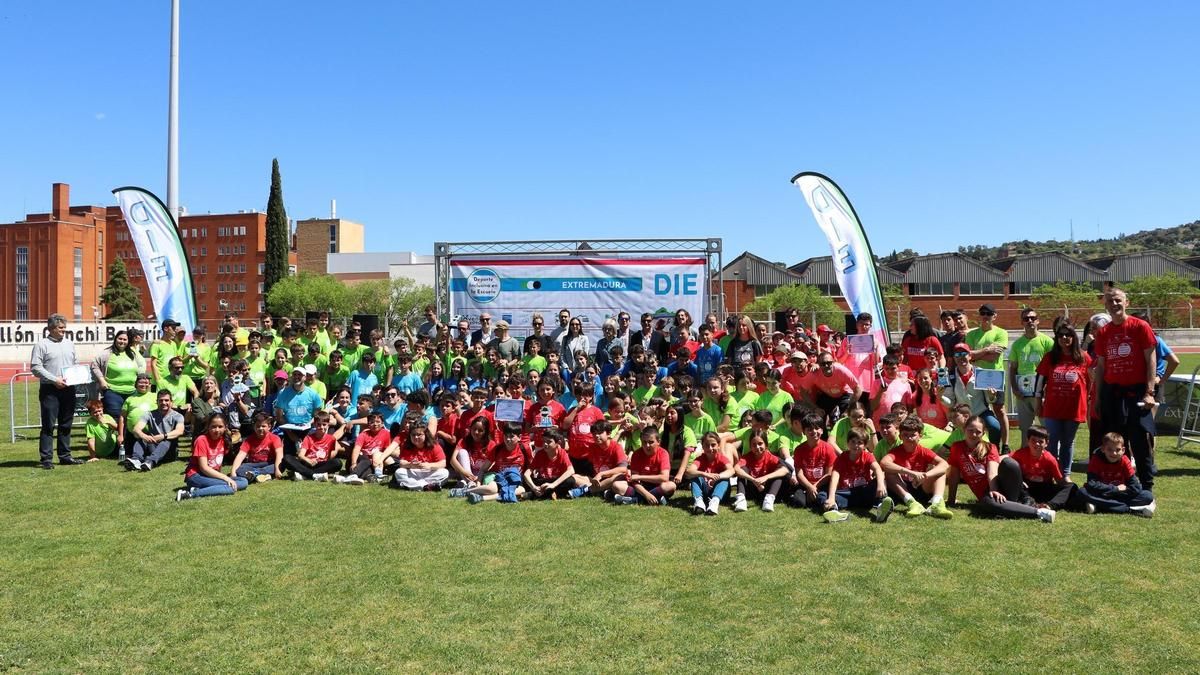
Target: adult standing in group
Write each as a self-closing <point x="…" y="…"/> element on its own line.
<point x="564" y="321"/>
<point x="429" y="328"/>
<point x="624" y="329"/>
<point x="574" y="340"/>
<point x="954" y="331"/>
<point x="682" y="332"/>
<point x="1125" y="372"/>
<point x="1026" y="353"/>
<point x="744" y="348"/>
<point x="652" y="341"/>
<point x="116" y="370"/>
<point x="163" y="350"/>
<point x="987" y="341"/>
<point x="608" y="340"/>
<point x="484" y="334"/>
<point x="538" y="335"/>
<point x="864" y="364"/>
<point x="51" y="355"/>
<point x="919" y="338"/>
<point x="1061" y="399"/>
<point x="505" y="344"/>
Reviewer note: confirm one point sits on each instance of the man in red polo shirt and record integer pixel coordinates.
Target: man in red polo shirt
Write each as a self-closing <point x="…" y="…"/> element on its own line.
<point x="1125" y="374"/>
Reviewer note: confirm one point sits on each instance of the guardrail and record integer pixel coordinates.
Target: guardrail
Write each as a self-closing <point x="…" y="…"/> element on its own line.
<point x="32" y="405"/>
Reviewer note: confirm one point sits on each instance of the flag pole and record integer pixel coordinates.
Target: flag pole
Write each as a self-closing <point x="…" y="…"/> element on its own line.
<point x="173" y="118"/>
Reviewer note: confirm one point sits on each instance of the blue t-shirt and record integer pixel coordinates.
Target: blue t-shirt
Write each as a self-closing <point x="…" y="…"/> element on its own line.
<point x="392" y="415"/>
<point x="360" y="384"/>
<point x="707" y="360"/>
<point x="407" y="383"/>
<point x="1161" y="352"/>
<point x="298" y="406"/>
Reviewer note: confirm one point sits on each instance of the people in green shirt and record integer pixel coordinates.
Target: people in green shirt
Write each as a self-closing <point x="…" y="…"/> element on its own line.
<point x="179" y="385"/>
<point x="135" y="408"/>
<point x="987" y="341"/>
<point x="1023" y="359"/>
<point x="774" y="398"/>
<point x="353" y="350"/>
<point x="743" y="396"/>
<point x="197" y="355"/>
<point x="695" y="418"/>
<point x="776" y="442"/>
<point x="792" y="427"/>
<point x="101" y="432"/>
<point x="162" y="351"/>
<point x="336" y="373"/>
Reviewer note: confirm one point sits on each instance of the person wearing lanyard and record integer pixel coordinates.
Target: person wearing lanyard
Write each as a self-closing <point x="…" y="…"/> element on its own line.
<point x="1027" y="352"/>
<point x="51" y="355"/>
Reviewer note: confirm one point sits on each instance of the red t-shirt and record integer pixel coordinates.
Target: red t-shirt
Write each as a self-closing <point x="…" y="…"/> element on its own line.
<point x="579" y="436"/>
<point x="1111" y="473"/>
<point x="318" y="449"/>
<point x="919" y="460"/>
<point x="715" y="464"/>
<point x="816" y="461"/>
<point x="547" y="467"/>
<point x="1066" y="390"/>
<point x="463" y="426"/>
<point x="477" y="454"/>
<point x="853" y="471"/>
<point x="972" y="471"/>
<point x="369" y="443"/>
<point x="259" y="450"/>
<point x="1041" y="469"/>
<point x="914" y="351"/>
<point x="410" y="453"/>
<point x="605" y="458"/>
<point x="761" y="465"/>
<point x="840" y="381"/>
<point x="642" y="463"/>
<point x="1123" y="348"/>
<point x="448" y="424"/>
<point x="503" y="458"/>
<point x="209" y="453"/>
<point x="536" y="424"/>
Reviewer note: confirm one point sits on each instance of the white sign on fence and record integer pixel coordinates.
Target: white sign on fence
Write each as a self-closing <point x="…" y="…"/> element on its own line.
<point x="25" y="334"/>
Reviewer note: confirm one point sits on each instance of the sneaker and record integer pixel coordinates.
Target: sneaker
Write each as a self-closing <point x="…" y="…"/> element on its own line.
<point x="339" y="479"/>
<point x="457" y="492"/>
<point x="768" y="503"/>
<point x="697" y="506"/>
<point x="662" y="501"/>
<point x="321" y="477"/>
<point x="835" y="516"/>
<point x="739" y="504"/>
<point x="714" y="505"/>
<point x="263" y="478"/>
<point x="129" y="463"/>
<point x="354" y="479"/>
<point x="884" y="510"/>
<point x="576" y="493"/>
<point x="1146" y="511"/>
<point x="915" y="509"/>
<point x="1089" y="508"/>
<point x="608" y="495"/>
<point x="939" y="509"/>
<point x="146" y="466"/>
<point x="624" y="500"/>
<point x="1046" y="515"/>
<point x="181" y="495"/>
<point x="474" y="498"/>
<point x="296" y="475"/>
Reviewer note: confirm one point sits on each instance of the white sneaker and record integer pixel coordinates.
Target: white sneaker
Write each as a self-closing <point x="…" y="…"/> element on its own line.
<point x="354" y="479"/>
<point x="768" y="504"/>
<point x="296" y="475"/>
<point x="181" y="495"/>
<point x="1146" y="511"/>
<point x="739" y="504"/>
<point x="339" y="479"/>
<point x="1089" y="508"/>
<point x="714" y="505"/>
<point x="321" y="477"/>
<point x="1046" y="515"/>
<point x="697" y="506"/>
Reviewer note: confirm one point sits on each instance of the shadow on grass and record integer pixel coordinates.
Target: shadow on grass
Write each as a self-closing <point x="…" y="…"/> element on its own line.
<point x="1178" y="472"/>
<point x="16" y="463"/>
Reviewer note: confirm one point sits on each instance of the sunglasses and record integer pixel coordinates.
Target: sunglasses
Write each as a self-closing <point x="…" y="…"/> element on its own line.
<point x="1029" y="319"/>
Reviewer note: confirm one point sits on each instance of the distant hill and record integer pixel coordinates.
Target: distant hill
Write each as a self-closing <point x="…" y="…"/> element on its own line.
<point x="1180" y="241"/>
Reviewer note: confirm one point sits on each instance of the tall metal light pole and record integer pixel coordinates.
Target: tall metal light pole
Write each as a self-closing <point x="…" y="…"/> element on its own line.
<point x="173" y="118"/>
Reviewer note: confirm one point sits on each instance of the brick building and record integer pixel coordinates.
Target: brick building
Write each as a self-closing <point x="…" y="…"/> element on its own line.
<point x="316" y="238"/>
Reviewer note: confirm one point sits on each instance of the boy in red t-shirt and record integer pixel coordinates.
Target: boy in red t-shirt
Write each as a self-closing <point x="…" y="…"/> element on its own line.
<point x="578" y="425"/>
<point x="505" y="464"/>
<point x="813" y="460"/>
<point x="916" y="475"/>
<point x="709" y="475"/>
<point x="762" y="473"/>
<point x="1042" y="476"/>
<point x="317" y="456"/>
<point x="549" y="474"/>
<point x="1112" y="485"/>
<point x="608" y="460"/>
<point x="857" y="481"/>
<point x="369" y="455"/>
<point x="647" y="479"/>
<point x="260" y="454"/>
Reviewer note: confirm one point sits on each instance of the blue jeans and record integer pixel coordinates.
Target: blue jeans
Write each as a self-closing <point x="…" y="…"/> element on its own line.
<point x="992" y="424"/>
<point x="250" y="470"/>
<point x="204" y="486"/>
<point x="702" y="490"/>
<point x="113" y="402"/>
<point x="1062" y="442"/>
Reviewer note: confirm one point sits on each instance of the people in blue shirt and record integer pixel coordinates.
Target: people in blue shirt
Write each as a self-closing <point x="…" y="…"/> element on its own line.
<point x="297" y="404"/>
<point x="682" y="365"/>
<point x="393" y="407"/>
<point x="405" y="379"/>
<point x="709" y="356"/>
<point x="362" y="380"/>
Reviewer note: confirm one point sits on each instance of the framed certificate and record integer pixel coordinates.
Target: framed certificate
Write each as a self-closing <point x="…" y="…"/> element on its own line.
<point x="989" y="379"/>
<point x="861" y="344"/>
<point x="77" y="375"/>
<point x="510" y="410"/>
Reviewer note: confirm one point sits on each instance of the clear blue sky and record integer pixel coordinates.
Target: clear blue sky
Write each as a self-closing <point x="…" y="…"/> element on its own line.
<point x="947" y="123"/>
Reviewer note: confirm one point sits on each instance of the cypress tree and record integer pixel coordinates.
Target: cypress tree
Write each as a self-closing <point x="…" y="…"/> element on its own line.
<point x="276" y="267"/>
<point x="119" y="296"/>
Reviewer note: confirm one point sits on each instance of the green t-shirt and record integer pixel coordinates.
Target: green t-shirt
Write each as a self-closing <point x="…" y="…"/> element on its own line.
<point x="530" y="362"/>
<point x="420" y="366"/>
<point x="1027" y="353"/>
<point x="162" y="352"/>
<point x="122" y="373"/>
<point x="776" y="443"/>
<point x="884" y="446"/>
<point x="179" y="388"/>
<point x="699" y="425"/>
<point x="352" y="355"/>
<point x="195" y="367"/>
<point x="775" y="403"/>
<point x="714" y="410"/>
<point x="933" y="437"/>
<point x="319" y="387"/>
<point x="977" y="339"/>
<point x="334" y="378"/>
<point x="104" y="435"/>
<point x="746" y="400"/>
<point x="136" y="407"/>
<point x="257" y="368"/>
<point x="643" y="394"/>
<point x="784" y="429"/>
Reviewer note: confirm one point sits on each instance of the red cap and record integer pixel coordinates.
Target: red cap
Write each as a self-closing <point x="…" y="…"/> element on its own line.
<point x="824" y="329"/>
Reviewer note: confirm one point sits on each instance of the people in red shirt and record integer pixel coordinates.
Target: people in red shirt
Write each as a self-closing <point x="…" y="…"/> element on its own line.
<point x="608" y="460"/>
<point x="1043" y="479"/>
<point x="647" y="479"/>
<point x="545" y="413"/>
<point x="813" y="460"/>
<point x="709" y="475"/>
<point x="1061" y="393"/>
<point x="1125" y="365"/>
<point x="422" y="464"/>
<point x="260" y="454"/>
<point x="997" y="484"/>
<point x="856" y="480"/>
<point x="1112" y="485"/>
<point x="915" y="475"/>
<point x="578" y="424"/>
<point x="916" y="341"/>
<point x="479" y="397"/>
<point x="370" y="453"/>
<point x="761" y="473"/>
<point x="473" y="452"/>
<point x="549" y="474"/>
<point x="203" y="476"/>
<point x="317" y="457"/>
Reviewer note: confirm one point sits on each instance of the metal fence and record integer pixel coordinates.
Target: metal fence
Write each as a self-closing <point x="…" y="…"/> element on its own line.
<point x="19" y="390"/>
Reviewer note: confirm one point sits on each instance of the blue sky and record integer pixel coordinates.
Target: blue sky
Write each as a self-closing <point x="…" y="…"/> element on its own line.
<point x="947" y="123"/>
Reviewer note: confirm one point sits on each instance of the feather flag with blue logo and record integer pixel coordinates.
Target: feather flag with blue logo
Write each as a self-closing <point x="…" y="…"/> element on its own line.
<point x="160" y="250"/>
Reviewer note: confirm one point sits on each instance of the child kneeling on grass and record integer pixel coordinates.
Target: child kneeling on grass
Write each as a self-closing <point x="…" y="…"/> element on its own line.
<point x="996" y="483"/>
<point x="858" y="482"/>
<point x="317" y="456"/>
<point x="915" y="475"/>
<point x="101" y="432"/>
<point x="422" y="464"/>
<point x="1112" y="485"/>
<point x="709" y="475"/>
<point x="647" y="480"/>
<point x="505" y="464"/>
<point x="203" y="476"/>
<point x="549" y="475"/>
<point x="761" y="473"/>
<point x="259" y="454"/>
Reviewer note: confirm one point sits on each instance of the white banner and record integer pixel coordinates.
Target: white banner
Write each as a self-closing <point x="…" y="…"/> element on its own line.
<point x="24" y="334"/>
<point x="164" y="264"/>
<point x="512" y="289"/>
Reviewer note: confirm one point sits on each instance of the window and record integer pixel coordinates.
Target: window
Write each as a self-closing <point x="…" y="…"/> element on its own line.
<point x="333" y="247"/>
<point x="260" y="289"/>
<point x="981" y="288"/>
<point x="22" y="283"/>
<point x="832" y="290"/>
<point x="204" y="251"/>
<point x="77" y="289"/>
<point x="261" y="307"/>
<point x="203" y="289"/>
<point x="204" y="232"/>
<point x="203" y="307"/>
<point x="204" y="269"/>
<point x="932" y="288"/>
<point x="262" y="269"/>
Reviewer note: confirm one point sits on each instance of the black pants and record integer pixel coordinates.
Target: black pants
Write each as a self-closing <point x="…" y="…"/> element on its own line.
<point x="1057" y="497"/>
<point x="1120" y="413"/>
<point x="301" y="467"/>
<point x="1009" y="483"/>
<point x="834" y="408"/>
<point x="58" y="410"/>
<point x="751" y="492"/>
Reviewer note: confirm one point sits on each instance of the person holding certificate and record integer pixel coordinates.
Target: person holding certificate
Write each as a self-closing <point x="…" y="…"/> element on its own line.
<point x="981" y="389"/>
<point x="53" y="362"/>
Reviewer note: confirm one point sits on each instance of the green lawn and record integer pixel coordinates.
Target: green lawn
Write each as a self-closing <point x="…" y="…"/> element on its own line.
<point x="102" y="571"/>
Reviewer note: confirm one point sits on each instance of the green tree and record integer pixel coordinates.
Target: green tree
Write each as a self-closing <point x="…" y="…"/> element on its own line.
<point x="276" y="268"/>
<point x="1165" y="298"/>
<point x="895" y="303"/>
<point x="119" y="296"/>
<point x="293" y="296"/>
<point x="1074" y="299"/>
<point x="392" y="300"/>
<point x="807" y="299"/>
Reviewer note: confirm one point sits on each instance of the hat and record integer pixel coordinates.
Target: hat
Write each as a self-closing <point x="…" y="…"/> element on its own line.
<point x="781" y="348"/>
<point x="281" y="375"/>
<point x="268" y="334"/>
<point x="798" y="355"/>
<point x="987" y="308"/>
<point x="961" y="347"/>
<point x="310" y="369"/>
<point x="1102" y="319"/>
<point x="170" y="323"/>
<point x="239" y="388"/>
<point x="501" y="324"/>
<point x="824" y="329"/>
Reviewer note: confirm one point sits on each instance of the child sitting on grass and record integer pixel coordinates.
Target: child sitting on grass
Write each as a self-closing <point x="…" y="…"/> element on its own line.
<point x="761" y="473"/>
<point x="857" y="481"/>
<point x="473" y="453"/>
<point x="505" y="463"/>
<point x="260" y="453"/>
<point x="203" y="476"/>
<point x="914" y="474"/>
<point x="608" y="460"/>
<point x="369" y="456"/>
<point x="812" y="461"/>
<point x="709" y="476"/>
<point x="648" y="478"/>
<point x="549" y="474"/>
<point x="317" y="456"/>
<point x="101" y="432"/>
<point x="421" y="464"/>
<point x="1112" y="484"/>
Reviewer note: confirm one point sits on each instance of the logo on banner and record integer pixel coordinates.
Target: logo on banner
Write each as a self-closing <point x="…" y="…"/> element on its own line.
<point x="483" y="286"/>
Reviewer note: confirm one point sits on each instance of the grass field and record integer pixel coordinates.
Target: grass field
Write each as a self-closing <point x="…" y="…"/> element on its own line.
<point x="102" y="572"/>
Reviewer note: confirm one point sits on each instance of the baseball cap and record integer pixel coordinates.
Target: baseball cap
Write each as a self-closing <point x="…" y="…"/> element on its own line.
<point x="961" y="347"/>
<point x="281" y="375"/>
<point x="824" y="329"/>
<point x="169" y="323"/>
<point x="987" y="308"/>
<point x="310" y="369"/>
<point x="798" y="355"/>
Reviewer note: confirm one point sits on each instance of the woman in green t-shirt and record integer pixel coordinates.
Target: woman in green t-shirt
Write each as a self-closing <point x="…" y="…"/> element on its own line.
<point x="116" y="370"/>
<point x="136" y="406"/>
